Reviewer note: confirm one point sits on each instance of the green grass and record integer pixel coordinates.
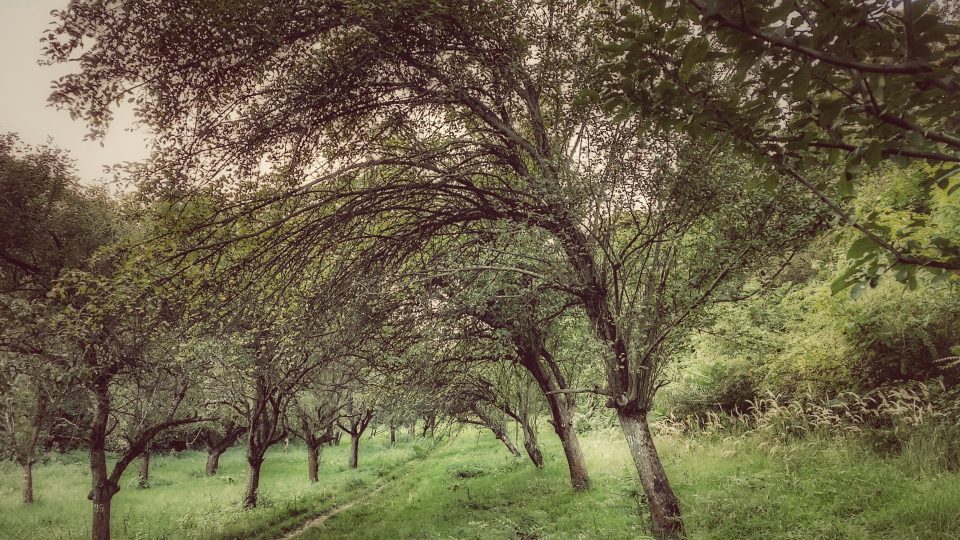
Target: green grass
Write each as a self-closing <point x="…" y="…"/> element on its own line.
<point x="730" y="487"/>
<point x="183" y="503"/>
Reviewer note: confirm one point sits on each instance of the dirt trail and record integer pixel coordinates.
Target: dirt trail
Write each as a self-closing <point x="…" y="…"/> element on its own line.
<point x="407" y="469"/>
<point x="322" y="518"/>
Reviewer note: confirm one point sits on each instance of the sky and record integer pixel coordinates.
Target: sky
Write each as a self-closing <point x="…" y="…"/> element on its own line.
<point x="25" y="85"/>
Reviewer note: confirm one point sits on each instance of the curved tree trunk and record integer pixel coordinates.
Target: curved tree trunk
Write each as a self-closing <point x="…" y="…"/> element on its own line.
<point x="354" y="450"/>
<point x="579" y="478"/>
<point x="27" y="469"/>
<point x="213" y="461"/>
<point x="505" y="439"/>
<point x="530" y="443"/>
<point x="561" y="408"/>
<point x="313" y="462"/>
<point x="663" y="503"/>
<point x="253" y="484"/>
<point x="533" y="450"/>
<point x="144" y="479"/>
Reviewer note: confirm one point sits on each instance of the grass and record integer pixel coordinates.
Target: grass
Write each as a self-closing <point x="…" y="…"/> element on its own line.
<point x="730" y="487"/>
<point x="183" y="503"/>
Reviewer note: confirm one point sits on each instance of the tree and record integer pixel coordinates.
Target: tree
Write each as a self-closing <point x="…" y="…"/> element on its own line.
<point x="316" y="411"/>
<point x="49" y="225"/>
<point x="358" y="417"/>
<point x="112" y="327"/>
<point x="218" y="438"/>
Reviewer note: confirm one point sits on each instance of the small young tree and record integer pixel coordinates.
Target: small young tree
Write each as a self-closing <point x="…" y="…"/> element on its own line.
<point x="316" y="411"/>
<point x="217" y="438"/>
<point x="354" y="421"/>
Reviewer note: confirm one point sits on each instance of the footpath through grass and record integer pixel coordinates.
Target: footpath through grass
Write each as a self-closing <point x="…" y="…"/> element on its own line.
<point x="471" y="488"/>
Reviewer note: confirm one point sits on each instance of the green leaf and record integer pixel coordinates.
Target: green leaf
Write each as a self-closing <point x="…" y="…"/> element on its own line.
<point x="861" y="247"/>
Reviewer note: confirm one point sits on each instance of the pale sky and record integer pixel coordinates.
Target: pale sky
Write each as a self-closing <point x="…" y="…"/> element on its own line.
<point x="25" y="86"/>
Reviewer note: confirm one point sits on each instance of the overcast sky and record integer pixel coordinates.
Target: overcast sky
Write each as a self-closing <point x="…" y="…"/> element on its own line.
<point x="26" y="84"/>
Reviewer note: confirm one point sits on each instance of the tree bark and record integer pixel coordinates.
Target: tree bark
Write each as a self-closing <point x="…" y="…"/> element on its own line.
<point x="144" y="480"/>
<point x="313" y="462"/>
<point x="533" y="451"/>
<point x="550" y="379"/>
<point x="103" y="488"/>
<point x="27" y="468"/>
<point x="663" y="503"/>
<point x="505" y="439"/>
<point x="102" y="493"/>
<point x="393" y="434"/>
<point x="253" y="484"/>
<point x="530" y="443"/>
<point x="101" y="517"/>
<point x="579" y="478"/>
<point x="354" y="450"/>
<point x="213" y="461"/>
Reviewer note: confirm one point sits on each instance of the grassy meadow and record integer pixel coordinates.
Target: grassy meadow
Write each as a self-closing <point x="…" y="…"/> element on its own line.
<point x="470" y="487"/>
<point x="182" y="502"/>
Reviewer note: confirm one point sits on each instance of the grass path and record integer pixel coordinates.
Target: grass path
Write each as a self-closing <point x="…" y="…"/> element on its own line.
<point x="319" y="521"/>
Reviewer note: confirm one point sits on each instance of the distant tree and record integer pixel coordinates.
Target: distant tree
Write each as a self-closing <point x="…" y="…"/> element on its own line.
<point x="217" y="438"/>
<point x="315" y="413"/>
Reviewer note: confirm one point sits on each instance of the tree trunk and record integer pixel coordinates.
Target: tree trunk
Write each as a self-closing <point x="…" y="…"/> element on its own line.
<point x="579" y="478"/>
<point x="505" y="439"/>
<point x="561" y="417"/>
<point x="144" y="480"/>
<point x="530" y="444"/>
<point x="213" y="461"/>
<point x="354" y="450"/>
<point x="103" y="488"/>
<point x="533" y="450"/>
<point x="102" y="493"/>
<point x="541" y="365"/>
<point x="253" y="484"/>
<point x="27" y="467"/>
<point x="663" y="504"/>
<point x="101" y="518"/>
<point x="336" y="438"/>
<point x="413" y="429"/>
<point x="393" y="434"/>
<point x="313" y="462"/>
